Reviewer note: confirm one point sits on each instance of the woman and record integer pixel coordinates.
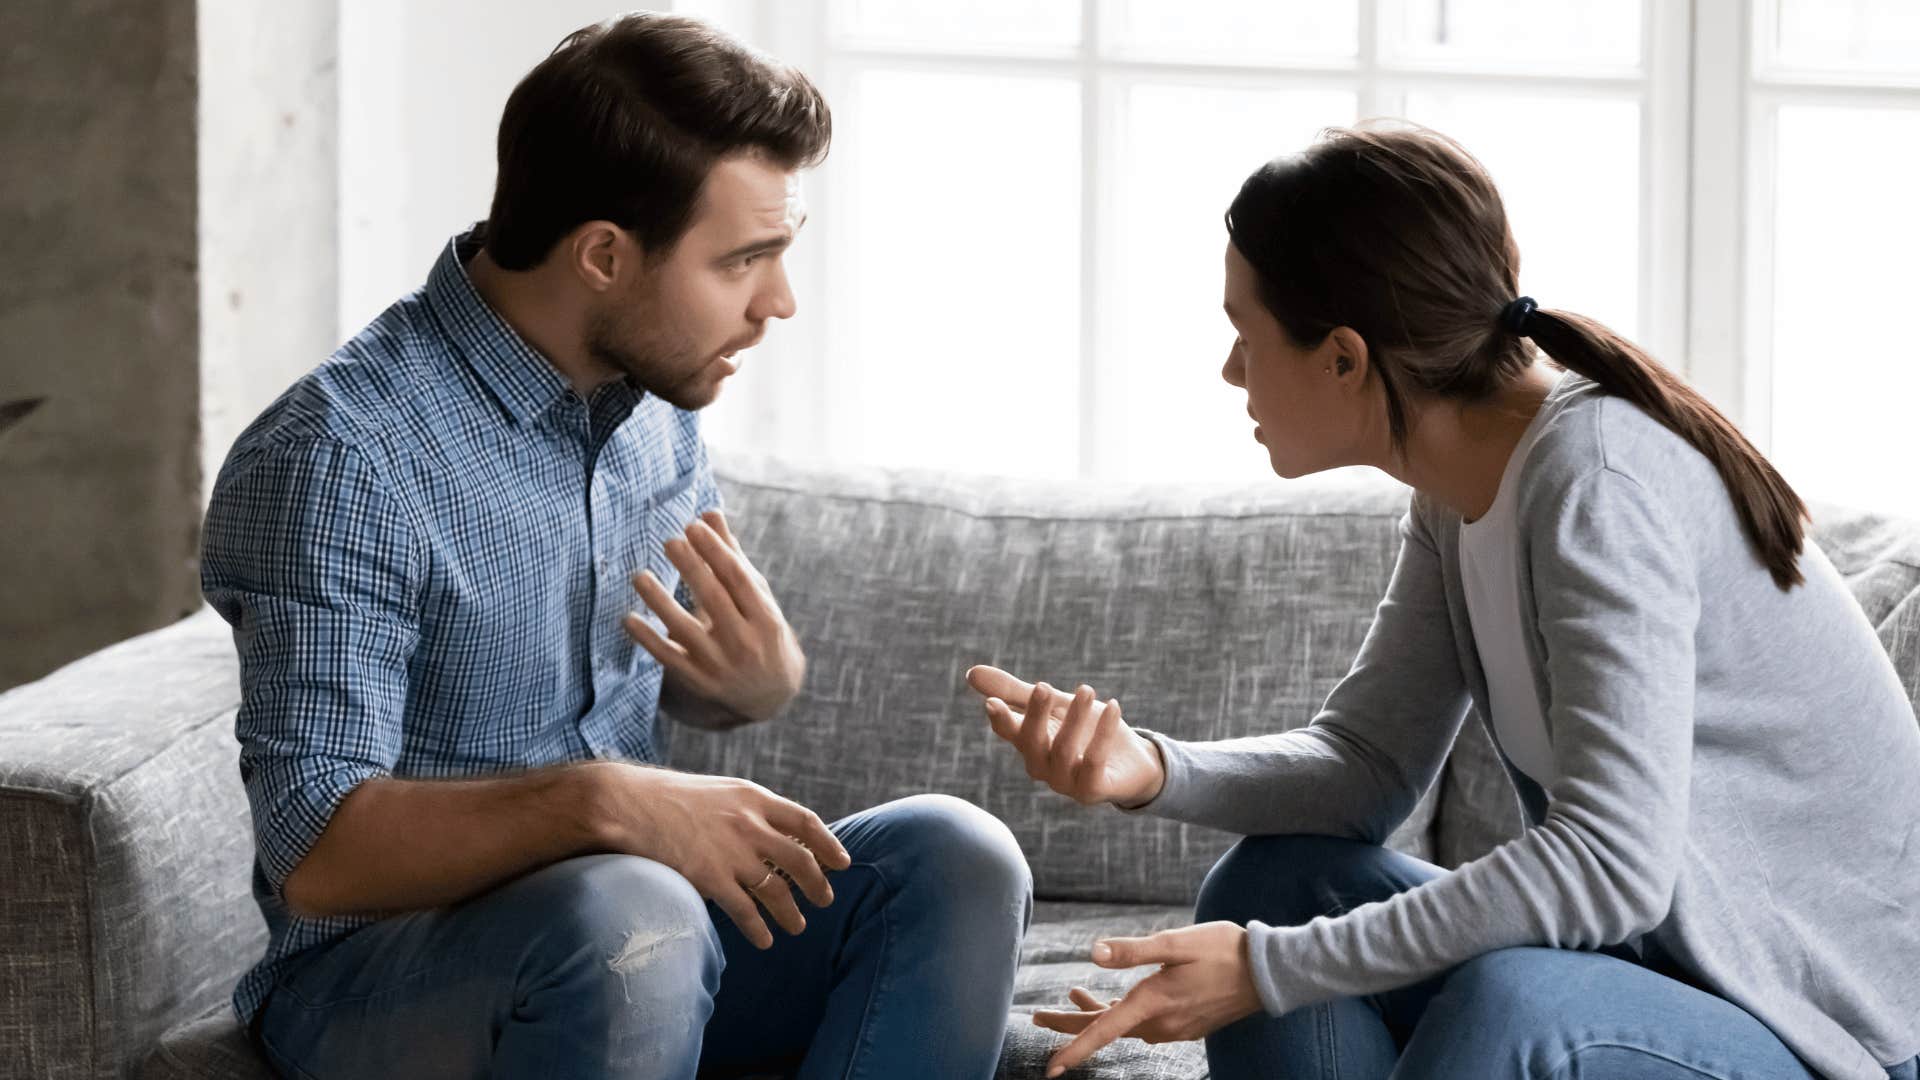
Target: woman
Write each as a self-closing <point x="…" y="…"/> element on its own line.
<point x="1722" y="872"/>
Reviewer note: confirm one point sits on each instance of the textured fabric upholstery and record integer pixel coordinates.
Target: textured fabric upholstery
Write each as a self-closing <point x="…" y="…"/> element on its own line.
<point x="1209" y="613"/>
<point x="125" y="842"/>
<point x="124" y="851"/>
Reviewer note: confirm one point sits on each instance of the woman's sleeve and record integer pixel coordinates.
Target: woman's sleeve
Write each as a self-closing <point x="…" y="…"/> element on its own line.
<point x="1617" y="599"/>
<point x="1359" y="767"/>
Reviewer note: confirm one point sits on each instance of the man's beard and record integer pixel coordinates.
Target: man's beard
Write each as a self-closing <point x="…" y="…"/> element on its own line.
<point x="668" y="369"/>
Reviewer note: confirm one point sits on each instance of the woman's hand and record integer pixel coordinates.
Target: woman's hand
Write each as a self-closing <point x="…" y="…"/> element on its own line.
<point x="1076" y="745"/>
<point x="1205" y="983"/>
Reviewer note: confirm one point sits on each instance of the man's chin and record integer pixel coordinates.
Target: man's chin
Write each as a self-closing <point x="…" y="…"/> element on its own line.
<point x="694" y="394"/>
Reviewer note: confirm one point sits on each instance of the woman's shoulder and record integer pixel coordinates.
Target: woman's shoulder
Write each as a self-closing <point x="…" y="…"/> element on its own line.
<point x="1592" y="436"/>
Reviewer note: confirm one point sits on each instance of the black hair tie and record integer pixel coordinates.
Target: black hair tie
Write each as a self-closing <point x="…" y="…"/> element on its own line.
<point x="1516" y="317"/>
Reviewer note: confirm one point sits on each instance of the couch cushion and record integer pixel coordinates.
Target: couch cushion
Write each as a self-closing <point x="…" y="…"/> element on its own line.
<point x="1053" y="960"/>
<point x="211" y="1046"/>
<point x="1211" y="612"/>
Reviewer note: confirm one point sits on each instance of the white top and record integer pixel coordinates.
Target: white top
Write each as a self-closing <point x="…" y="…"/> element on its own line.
<point x="1490" y="576"/>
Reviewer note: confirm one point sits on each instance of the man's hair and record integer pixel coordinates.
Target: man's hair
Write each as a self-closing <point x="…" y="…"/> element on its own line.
<point x="623" y="121"/>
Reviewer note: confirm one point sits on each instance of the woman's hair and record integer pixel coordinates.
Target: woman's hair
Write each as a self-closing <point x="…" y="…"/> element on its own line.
<point x="622" y="123"/>
<point x="1399" y="234"/>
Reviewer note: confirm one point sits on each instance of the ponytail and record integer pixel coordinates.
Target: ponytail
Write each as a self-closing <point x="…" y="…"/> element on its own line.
<point x="1771" y="514"/>
<point x="1399" y="234"/>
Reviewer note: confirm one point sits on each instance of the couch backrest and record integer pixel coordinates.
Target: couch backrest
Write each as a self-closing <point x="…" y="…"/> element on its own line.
<point x="1210" y="613"/>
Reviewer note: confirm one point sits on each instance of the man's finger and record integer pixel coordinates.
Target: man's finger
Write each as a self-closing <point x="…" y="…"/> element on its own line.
<point x="802" y="869"/>
<point x="804" y="825"/>
<point x="1115" y="1023"/>
<point x="707" y="590"/>
<point x="673" y="657"/>
<point x="989" y="681"/>
<point x="740" y="907"/>
<point x="1165" y="947"/>
<point x="730" y="569"/>
<point x="776" y="895"/>
<point x="682" y="626"/>
<point x="717" y="521"/>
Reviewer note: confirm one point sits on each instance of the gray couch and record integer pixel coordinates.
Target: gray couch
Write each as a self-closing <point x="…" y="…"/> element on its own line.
<point x="125" y="842"/>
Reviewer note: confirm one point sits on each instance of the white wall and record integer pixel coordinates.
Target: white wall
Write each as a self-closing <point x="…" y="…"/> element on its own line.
<point x="268" y="92"/>
<point x="421" y="89"/>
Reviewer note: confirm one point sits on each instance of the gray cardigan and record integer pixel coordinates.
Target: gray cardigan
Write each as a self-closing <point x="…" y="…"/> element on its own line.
<point x="1737" y="763"/>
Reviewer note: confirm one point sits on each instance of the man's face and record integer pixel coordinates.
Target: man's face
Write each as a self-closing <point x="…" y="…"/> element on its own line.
<point x="675" y="328"/>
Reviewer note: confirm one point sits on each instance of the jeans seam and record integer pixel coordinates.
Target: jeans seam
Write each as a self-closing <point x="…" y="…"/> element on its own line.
<point x="1560" y="1068"/>
<point x="401" y="983"/>
<point x="885" y="972"/>
<point x="1329" y="1042"/>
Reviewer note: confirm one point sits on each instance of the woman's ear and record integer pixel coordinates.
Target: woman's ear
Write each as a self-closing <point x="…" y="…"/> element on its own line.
<point x="1347" y="356"/>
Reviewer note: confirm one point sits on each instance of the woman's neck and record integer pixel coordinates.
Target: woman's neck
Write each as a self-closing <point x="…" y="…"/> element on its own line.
<point x="1457" y="452"/>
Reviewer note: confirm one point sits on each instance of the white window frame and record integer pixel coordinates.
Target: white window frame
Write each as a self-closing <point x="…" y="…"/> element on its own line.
<point x="1739" y="89"/>
<point x="1708" y="100"/>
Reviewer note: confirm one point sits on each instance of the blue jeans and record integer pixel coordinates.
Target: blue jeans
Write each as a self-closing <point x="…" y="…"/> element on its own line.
<point x="1512" y="1014"/>
<point x="612" y="966"/>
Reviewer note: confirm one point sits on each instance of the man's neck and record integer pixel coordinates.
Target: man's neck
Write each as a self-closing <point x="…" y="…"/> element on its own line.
<point x="543" y="316"/>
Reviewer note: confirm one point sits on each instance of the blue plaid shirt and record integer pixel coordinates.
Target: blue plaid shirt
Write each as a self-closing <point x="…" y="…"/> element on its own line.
<point x="424" y="547"/>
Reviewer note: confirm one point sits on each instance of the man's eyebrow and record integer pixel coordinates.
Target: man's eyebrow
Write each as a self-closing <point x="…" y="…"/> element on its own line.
<point x="759" y="247"/>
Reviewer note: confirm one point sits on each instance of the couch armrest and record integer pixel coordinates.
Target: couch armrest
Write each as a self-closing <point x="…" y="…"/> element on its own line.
<point x="125" y="851"/>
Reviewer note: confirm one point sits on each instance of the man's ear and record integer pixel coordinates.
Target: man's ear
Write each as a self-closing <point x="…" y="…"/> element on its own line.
<point x="600" y="253"/>
<point x="1347" y="356"/>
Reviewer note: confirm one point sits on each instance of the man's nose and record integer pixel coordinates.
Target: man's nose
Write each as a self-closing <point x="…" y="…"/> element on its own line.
<point x="777" y="301"/>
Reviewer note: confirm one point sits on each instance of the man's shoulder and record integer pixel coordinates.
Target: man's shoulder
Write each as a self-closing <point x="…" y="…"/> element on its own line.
<point x="367" y="397"/>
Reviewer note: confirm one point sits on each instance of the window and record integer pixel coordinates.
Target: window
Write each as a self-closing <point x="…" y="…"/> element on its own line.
<point x="1832" y="373"/>
<point x="1016" y="266"/>
<point x="1014" y="261"/>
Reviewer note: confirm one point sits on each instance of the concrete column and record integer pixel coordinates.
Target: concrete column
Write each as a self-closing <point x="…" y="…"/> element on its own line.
<point x="99" y="490"/>
<point x="168" y="264"/>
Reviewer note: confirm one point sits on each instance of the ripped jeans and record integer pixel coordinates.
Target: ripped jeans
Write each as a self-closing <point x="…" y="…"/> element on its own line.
<point x="612" y="966"/>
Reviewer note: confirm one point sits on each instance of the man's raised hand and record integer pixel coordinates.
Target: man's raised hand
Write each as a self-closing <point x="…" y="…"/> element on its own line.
<point x="737" y="650"/>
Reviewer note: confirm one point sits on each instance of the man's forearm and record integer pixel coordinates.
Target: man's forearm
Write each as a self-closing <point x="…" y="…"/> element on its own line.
<point x="402" y="845"/>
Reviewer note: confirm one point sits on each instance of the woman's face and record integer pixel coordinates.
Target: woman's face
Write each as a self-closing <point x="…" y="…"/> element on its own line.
<point x="1305" y="403"/>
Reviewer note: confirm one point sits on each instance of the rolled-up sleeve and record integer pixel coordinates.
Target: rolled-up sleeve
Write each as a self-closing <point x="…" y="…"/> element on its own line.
<point x="314" y="564"/>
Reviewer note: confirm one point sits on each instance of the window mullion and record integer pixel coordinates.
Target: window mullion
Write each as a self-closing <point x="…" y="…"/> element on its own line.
<point x="1718" y="353"/>
<point x="1093" y="148"/>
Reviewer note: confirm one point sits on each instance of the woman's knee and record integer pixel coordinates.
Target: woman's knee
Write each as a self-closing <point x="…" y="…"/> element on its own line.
<point x="1291" y="880"/>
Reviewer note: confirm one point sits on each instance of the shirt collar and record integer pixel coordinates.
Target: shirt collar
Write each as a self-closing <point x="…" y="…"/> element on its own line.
<point x="524" y="382"/>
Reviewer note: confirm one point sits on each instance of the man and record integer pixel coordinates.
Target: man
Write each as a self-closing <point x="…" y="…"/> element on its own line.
<point x="467" y="860"/>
